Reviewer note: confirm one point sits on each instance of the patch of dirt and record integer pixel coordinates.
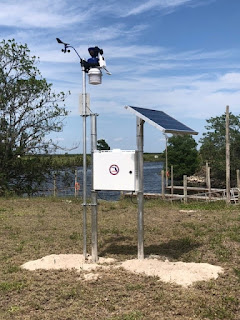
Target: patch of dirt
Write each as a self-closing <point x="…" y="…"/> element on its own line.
<point x="181" y="273"/>
<point x="65" y="261"/>
<point x="188" y="211"/>
<point x="91" y="276"/>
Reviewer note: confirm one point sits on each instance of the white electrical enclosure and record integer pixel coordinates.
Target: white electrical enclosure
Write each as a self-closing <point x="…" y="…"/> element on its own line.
<point x="115" y="170"/>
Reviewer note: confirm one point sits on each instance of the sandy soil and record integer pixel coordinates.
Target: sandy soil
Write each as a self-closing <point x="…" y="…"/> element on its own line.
<point x="181" y="273"/>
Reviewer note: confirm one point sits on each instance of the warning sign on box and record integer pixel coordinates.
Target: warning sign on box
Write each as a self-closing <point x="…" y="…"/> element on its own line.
<point x="114" y="169"/>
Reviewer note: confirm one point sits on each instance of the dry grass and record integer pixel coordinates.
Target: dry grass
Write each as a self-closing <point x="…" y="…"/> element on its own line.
<point x="31" y="229"/>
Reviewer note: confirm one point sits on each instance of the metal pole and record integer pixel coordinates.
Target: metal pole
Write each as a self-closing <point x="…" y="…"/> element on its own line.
<point x="140" y="123"/>
<point x="84" y="165"/>
<point x="227" y="157"/>
<point x="93" y="192"/>
<point x="166" y="160"/>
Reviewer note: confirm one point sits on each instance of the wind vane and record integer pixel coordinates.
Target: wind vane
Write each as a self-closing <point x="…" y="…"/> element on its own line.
<point x="96" y="61"/>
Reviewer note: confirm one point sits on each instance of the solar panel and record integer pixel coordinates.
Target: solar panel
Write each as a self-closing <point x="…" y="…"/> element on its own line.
<point x="161" y="120"/>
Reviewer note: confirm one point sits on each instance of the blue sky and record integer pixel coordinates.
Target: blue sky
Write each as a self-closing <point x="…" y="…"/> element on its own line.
<point x="178" y="56"/>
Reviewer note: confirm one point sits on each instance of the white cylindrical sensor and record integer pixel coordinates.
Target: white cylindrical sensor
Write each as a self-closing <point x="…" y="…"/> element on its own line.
<point x="95" y="76"/>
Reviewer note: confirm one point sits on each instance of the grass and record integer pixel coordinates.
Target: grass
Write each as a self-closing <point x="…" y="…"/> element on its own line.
<point x="33" y="228"/>
<point x="75" y="160"/>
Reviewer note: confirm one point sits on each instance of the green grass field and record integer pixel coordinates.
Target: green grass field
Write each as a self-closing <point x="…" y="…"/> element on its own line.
<point x="33" y="228"/>
<point x="76" y="160"/>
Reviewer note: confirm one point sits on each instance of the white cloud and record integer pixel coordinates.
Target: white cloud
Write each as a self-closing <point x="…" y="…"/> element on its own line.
<point x="232" y="79"/>
<point x="115" y="31"/>
<point x="200" y="94"/>
<point x="187" y="81"/>
<point x="61" y="13"/>
<point x="157" y="4"/>
<point x="43" y="14"/>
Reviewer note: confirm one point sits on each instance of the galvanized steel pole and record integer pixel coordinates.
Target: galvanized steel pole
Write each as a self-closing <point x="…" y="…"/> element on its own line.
<point x="140" y="195"/>
<point x="84" y="116"/>
<point x="228" y="200"/>
<point x="166" y="150"/>
<point x="93" y="192"/>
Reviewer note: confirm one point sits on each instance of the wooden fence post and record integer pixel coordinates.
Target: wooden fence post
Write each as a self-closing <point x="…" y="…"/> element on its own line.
<point x="238" y="184"/>
<point x="185" y="188"/>
<point x="207" y="180"/>
<point x="209" y="183"/>
<point x="163" y="185"/>
<point x="75" y="184"/>
<point x="54" y="185"/>
<point x="171" y="179"/>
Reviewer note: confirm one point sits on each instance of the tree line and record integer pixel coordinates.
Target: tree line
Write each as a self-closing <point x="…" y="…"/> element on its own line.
<point x="184" y="155"/>
<point x="30" y="110"/>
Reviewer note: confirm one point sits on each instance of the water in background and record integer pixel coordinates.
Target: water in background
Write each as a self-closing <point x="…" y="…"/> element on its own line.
<point x="65" y="182"/>
<point x="151" y="181"/>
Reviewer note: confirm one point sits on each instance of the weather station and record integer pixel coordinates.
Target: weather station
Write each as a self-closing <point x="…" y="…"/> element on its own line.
<point x="93" y="67"/>
<point x="120" y="170"/>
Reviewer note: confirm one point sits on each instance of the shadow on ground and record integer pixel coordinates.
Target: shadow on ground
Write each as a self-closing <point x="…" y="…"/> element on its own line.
<point x="173" y="249"/>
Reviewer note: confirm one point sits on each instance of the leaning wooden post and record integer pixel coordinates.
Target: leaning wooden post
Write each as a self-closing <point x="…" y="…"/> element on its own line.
<point x="163" y="185"/>
<point x="185" y="188"/>
<point x="228" y="200"/>
<point x="238" y="184"/>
